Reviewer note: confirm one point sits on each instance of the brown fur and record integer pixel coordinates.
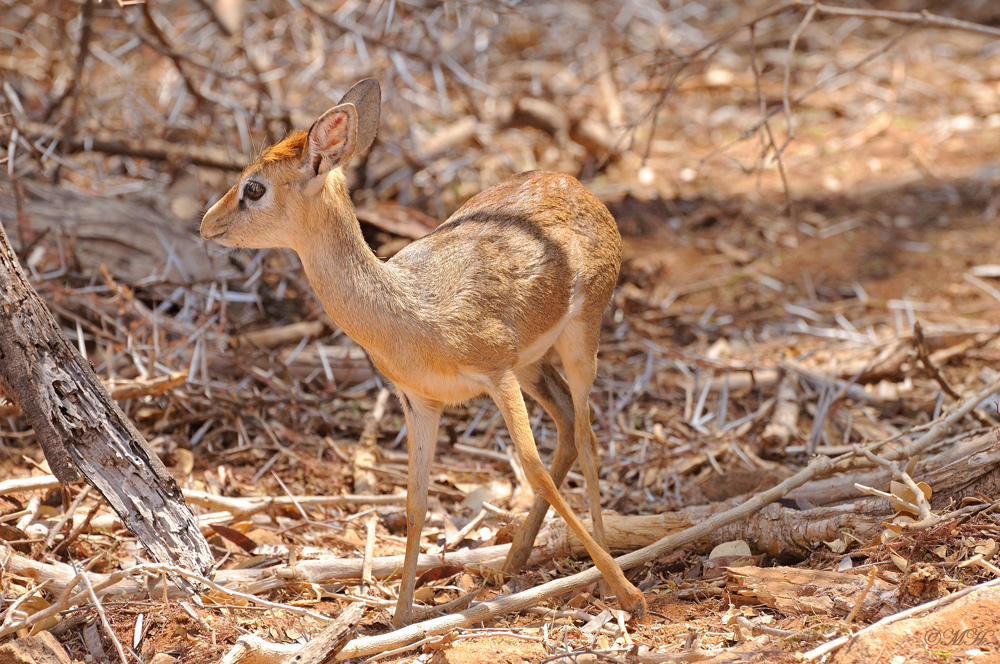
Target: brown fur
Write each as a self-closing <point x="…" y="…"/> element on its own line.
<point x="523" y="270"/>
<point x="290" y="148"/>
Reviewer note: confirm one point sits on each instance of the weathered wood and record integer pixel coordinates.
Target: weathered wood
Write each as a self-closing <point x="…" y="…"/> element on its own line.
<point x="81" y="429"/>
<point x="43" y="648"/>
<point x="325" y="645"/>
<point x="253" y="649"/>
<point x="323" y="648"/>
<point x="127" y="389"/>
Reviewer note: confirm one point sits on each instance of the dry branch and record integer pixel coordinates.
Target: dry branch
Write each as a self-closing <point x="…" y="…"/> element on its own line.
<point x="147" y="148"/>
<point x="513" y="603"/>
<point x="784" y="424"/>
<point x="253" y="649"/>
<point x="122" y="390"/>
<point x="967" y="468"/>
<point x="41" y="483"/>
<point x="325" y="645"/>
<point x="922" y="19"/>
<point x="274" y="337"/>
<point x="925" y="359"/>
<point x="246" y="506"/>
<point x="64" y="577"/>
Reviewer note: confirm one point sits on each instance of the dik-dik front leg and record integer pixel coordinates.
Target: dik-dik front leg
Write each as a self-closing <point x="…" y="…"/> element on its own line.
<point x="422" y="418"/>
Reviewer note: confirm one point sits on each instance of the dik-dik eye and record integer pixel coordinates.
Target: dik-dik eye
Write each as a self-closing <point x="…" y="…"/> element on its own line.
<point x="254" y="190"/>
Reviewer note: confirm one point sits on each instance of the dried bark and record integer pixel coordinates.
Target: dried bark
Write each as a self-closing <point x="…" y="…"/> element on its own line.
<point x="81" y="429"/>
<point x="804" y="592"/>
<point x="42" y="648"/>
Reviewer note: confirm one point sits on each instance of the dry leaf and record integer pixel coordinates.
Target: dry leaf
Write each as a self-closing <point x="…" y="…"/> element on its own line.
<point x="899" y="561"/>
<point x="731" y="548"/>
<point x="438" y="573"/>
<point x="183" y="461"/>
<point x="236" y="537"/>
<point x="837" y="545"/>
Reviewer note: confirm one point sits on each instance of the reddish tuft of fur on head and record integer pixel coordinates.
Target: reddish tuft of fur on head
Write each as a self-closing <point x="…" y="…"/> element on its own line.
<point x="292" y="146"/>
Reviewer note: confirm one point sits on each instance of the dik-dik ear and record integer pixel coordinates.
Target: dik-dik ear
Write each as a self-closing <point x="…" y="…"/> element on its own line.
<point x="366" y="96"/>
<point x="332" y="140"/>
<point x="346" y="128"/>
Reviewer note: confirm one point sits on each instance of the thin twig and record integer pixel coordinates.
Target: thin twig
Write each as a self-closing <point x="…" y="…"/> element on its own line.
<point x="923" y="18"/>
<point x="83" y="52"/>
<point x="770" y="143"/>
<point x="104" y="618"/>
<point x="788" y="76"/>
<point x="167" y="49"/>
<point x="925" y="359"/>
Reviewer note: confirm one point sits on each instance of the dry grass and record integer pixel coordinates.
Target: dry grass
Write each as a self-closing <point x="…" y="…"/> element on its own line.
<point x="737" y="277"/>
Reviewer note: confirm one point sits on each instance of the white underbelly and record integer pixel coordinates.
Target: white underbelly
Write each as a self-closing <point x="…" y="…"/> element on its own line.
<point x="466" y="382"/>
<point x="447" y="388"/>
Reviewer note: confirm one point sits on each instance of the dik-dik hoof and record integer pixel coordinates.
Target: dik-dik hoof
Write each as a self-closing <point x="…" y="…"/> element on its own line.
<point x="635" y="604"/>
<point x="402" y="617"/>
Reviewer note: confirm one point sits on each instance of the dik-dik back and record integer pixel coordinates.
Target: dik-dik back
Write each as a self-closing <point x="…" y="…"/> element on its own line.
<point x="498" y="281"/>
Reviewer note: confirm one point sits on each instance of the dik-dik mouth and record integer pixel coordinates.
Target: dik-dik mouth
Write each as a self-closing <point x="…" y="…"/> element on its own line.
<point x="214" y="234"/>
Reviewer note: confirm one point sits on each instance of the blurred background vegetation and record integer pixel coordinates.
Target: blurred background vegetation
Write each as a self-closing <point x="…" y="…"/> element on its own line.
<point x="473" y="91"/>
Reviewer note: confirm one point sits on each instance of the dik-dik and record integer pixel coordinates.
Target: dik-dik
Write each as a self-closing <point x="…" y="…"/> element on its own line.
<point x="522" y="272"/>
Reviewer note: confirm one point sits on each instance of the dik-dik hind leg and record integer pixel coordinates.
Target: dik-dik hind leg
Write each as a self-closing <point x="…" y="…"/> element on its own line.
<point x="506" y="392"/>
<point x="543" y="383"/>
<point x="422" y="419"/>
<point x="577" y="347"/>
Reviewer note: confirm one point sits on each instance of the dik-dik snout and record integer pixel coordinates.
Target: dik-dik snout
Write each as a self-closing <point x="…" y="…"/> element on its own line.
<point x="219" y="220"/>
<point x="253" y="216"/>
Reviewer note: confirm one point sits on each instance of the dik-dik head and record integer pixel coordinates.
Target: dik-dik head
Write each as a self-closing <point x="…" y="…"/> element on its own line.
<point x="280" y="196"/>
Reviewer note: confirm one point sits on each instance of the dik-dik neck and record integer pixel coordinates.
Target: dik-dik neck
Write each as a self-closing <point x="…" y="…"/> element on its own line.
<point x="360" y="293"/>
